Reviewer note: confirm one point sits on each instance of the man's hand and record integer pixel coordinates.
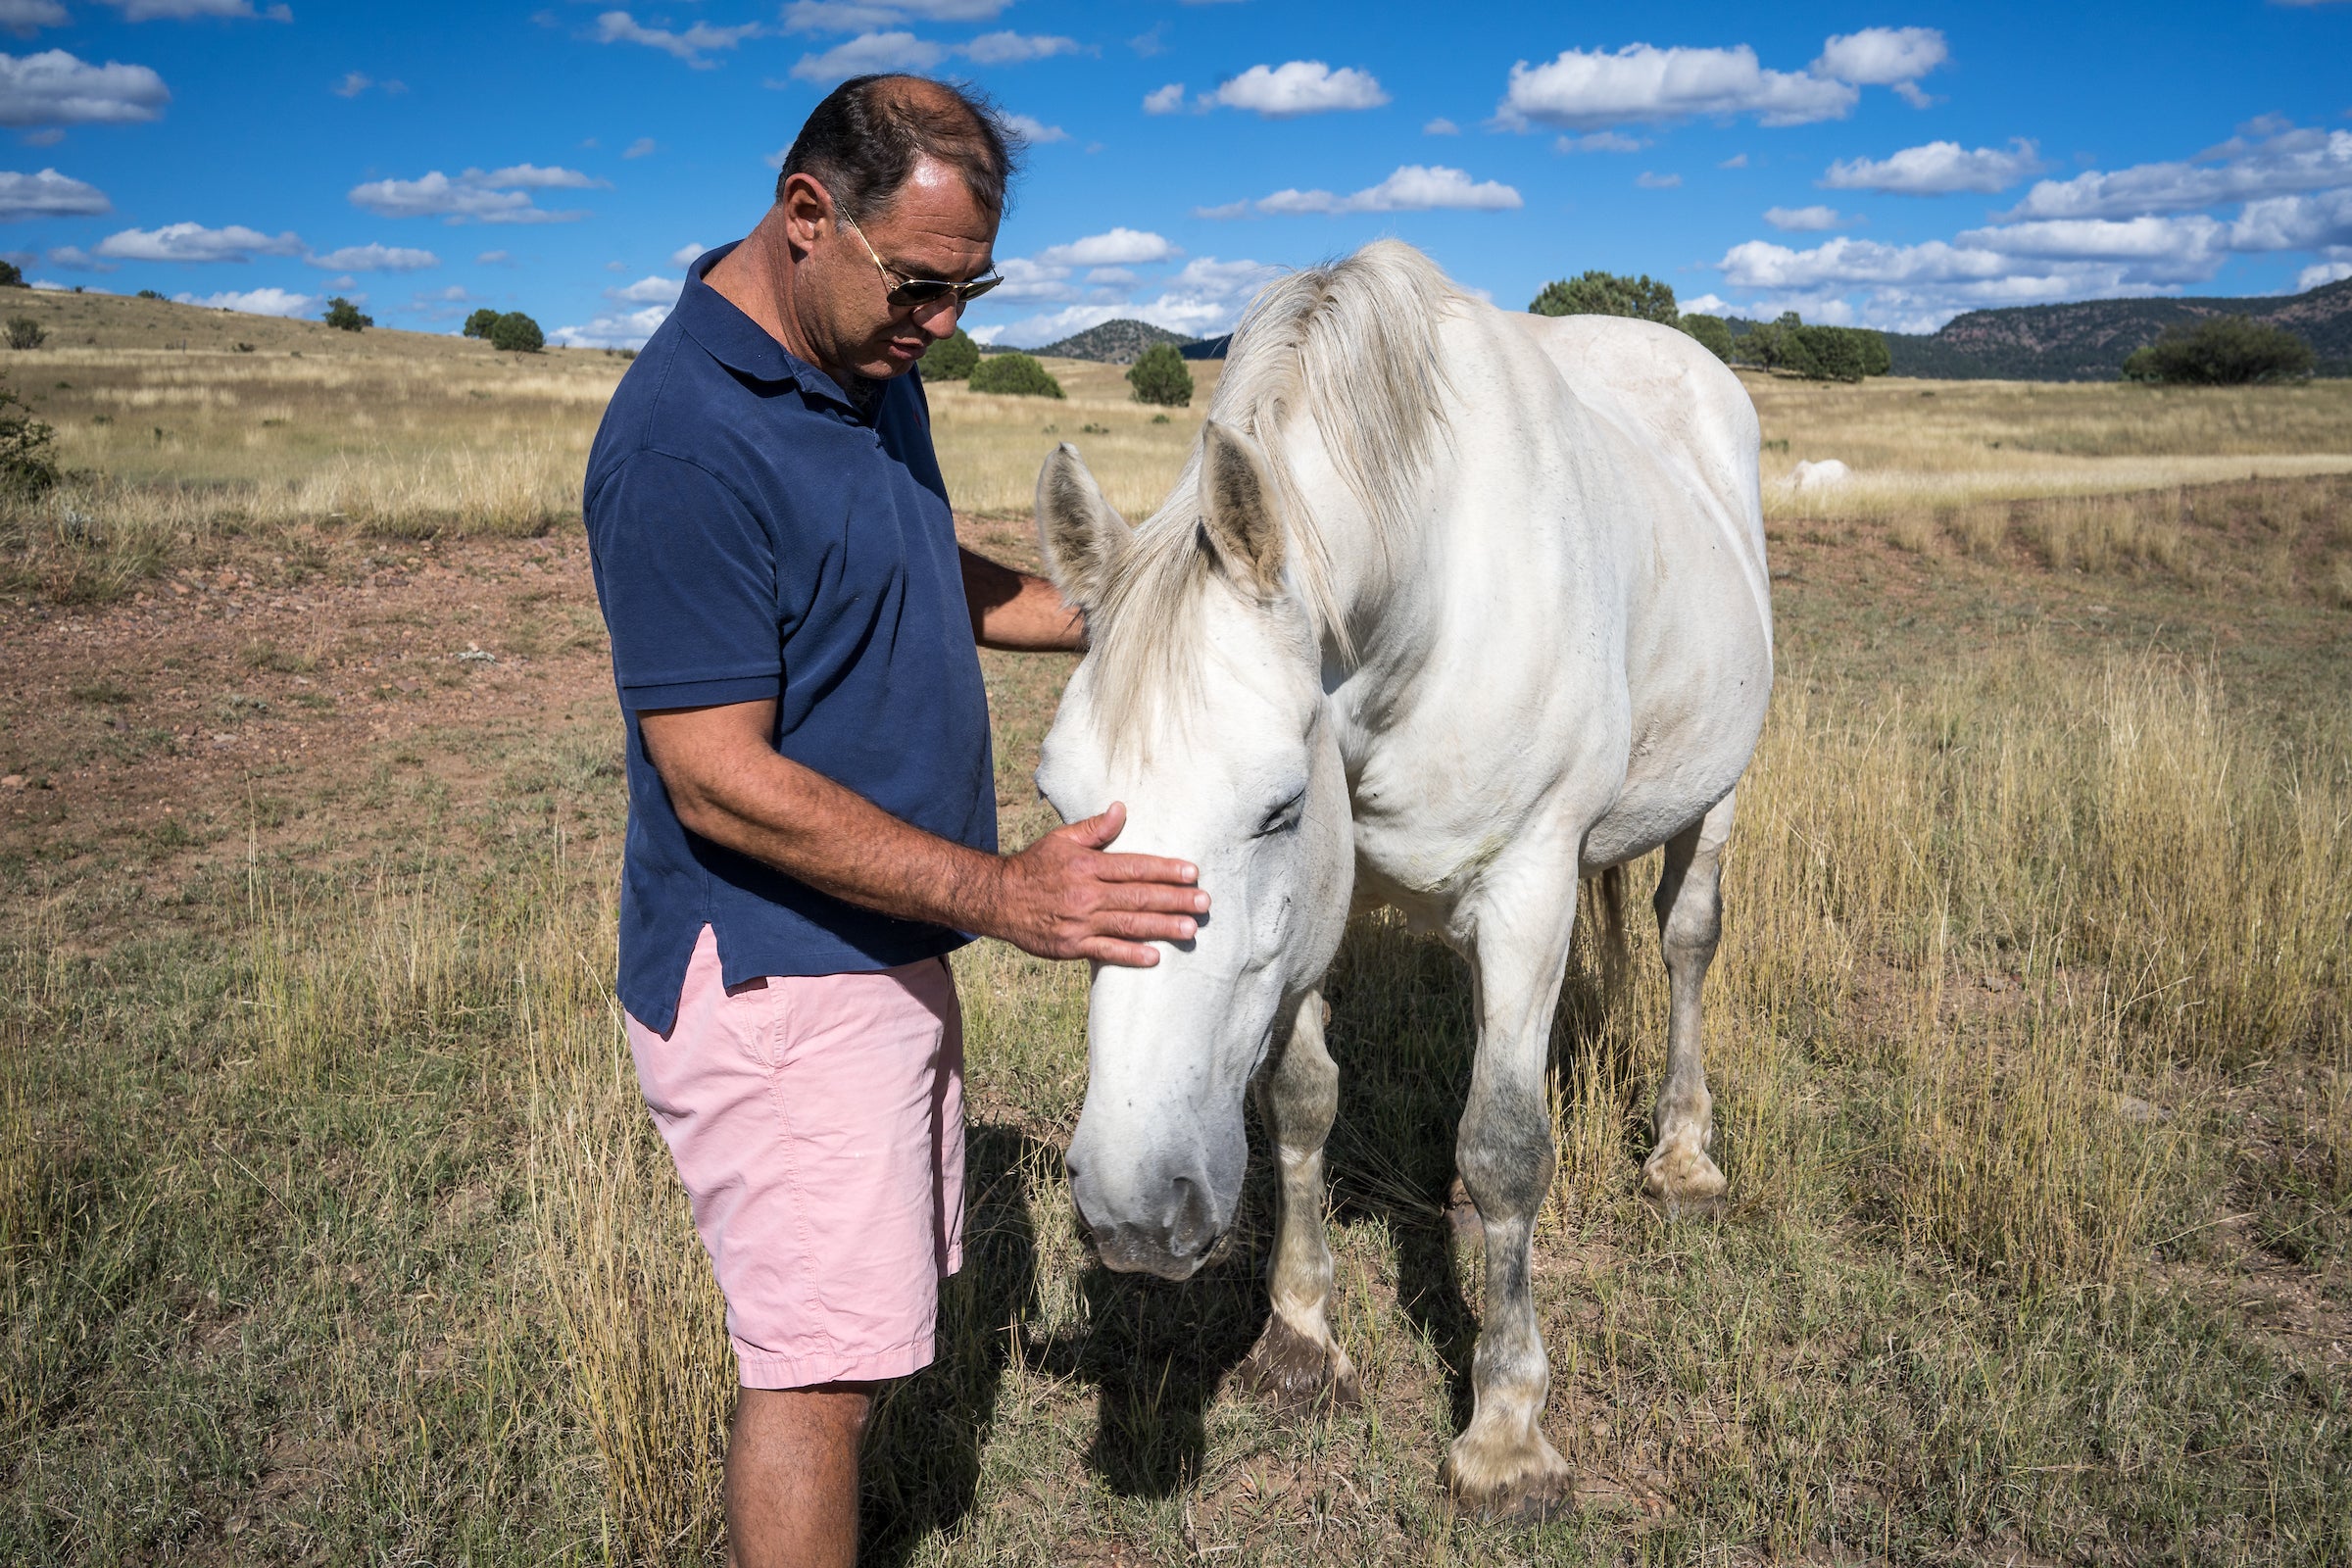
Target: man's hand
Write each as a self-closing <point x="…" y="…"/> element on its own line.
<point x="1063" y="898"/>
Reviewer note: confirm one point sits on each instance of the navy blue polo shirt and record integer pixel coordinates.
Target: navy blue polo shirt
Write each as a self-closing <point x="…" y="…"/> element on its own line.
<point x="757" y="534"/>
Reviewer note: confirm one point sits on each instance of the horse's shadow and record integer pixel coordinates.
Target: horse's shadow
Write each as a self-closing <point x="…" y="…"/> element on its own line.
<point x="1156" y="1353"/>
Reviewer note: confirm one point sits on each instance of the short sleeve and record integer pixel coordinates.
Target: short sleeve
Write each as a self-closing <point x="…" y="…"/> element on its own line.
<point x="688" y="578"/>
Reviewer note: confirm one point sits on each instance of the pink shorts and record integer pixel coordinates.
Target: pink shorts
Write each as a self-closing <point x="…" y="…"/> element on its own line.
<point x="817" y="1122"/>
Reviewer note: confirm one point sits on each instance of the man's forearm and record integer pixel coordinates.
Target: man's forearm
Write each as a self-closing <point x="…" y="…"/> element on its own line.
<point x="834" y="839"/>
<point x="1017" y="611"/>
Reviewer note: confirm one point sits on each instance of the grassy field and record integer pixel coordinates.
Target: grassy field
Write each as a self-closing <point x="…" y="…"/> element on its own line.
<point x="332" y="1229"/>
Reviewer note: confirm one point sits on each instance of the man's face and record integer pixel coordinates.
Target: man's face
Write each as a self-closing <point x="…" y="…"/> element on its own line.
<point x="932" y="229"/>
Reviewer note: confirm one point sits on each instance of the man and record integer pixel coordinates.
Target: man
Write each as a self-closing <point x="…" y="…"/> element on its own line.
<point x="811" y="797"/>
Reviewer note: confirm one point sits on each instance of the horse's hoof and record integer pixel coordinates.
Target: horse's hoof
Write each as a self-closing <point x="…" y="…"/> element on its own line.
<point x="1680" y="1178"/>
<point x="1297" y="1372"/>
<point x="1522" y="1486"/>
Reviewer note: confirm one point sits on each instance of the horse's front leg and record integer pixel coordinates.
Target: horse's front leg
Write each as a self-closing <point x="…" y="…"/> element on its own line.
<point x="1297" y="1360"/>
<point x="1502" y="1463"/>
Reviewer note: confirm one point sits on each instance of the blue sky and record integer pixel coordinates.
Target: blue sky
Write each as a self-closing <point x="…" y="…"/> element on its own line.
<point x="1879" y="163"/>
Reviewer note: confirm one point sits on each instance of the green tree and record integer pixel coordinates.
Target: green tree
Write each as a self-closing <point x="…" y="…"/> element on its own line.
<point x="345" y="316"/>
<point x="24" y="332"/>
<point x="12" y="276"/>
<point x="151" y="294"/>
<point x="1158" y="377"/>
<point x="517" y="334"/>
<point x="2221" y="351"/>
<point x="479" y="324"/>
<point x="1713" y="333"/>
<point x="1597" y="293"/>
<point x="28" y="463"/>
<point x="952" y="358"/>
<point x="1016" y="373"/>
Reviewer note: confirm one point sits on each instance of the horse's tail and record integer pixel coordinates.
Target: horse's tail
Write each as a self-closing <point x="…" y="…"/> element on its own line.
<point x="1607" y="894"/>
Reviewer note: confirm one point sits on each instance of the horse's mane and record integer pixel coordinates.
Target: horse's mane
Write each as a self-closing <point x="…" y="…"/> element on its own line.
<point x="1350" y="346"/>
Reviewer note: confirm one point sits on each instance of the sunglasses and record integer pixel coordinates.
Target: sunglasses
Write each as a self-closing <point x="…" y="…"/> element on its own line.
<point x="913" y="293"/>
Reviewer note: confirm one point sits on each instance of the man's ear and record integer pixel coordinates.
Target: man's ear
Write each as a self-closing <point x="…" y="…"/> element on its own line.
<point x="1081" y="536"/>
<point x="1237" y="509"/>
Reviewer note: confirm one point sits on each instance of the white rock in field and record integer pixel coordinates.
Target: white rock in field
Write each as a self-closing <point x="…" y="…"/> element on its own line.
<point x="1821" y="476"/>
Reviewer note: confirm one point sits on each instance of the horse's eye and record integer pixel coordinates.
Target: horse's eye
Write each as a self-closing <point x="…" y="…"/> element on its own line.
<point x="1283" y="817"/>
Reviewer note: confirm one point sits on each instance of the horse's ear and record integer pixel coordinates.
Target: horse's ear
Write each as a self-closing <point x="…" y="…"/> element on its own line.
<point x="1237" y="509"/>
<point x="1081" y="536"/>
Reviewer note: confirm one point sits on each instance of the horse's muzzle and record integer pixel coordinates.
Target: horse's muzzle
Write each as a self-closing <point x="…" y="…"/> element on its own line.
<point x="1171" y="1243"/>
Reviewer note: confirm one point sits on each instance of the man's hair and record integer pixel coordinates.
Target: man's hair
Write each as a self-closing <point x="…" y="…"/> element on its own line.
<point x="862" y="142"/>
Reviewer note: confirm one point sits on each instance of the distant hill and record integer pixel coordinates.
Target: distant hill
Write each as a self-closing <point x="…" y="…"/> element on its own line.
<point x="2089" y="341"/>
<point x="1120" y="342"/>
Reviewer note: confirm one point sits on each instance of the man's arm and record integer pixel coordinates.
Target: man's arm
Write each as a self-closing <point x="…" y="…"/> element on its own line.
<point x="1060" y="897"/>
<point x="1014" y="610"/>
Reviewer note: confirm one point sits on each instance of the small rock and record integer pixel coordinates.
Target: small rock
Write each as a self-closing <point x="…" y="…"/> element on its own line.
<point x="14" y="781"/>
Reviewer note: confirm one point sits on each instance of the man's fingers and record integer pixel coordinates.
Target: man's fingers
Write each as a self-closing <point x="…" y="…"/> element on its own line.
<point x="1157" y="897"/>
<point x="1143" y="927"/>
<point x="1147" y="868"/>
<point x="1126" y="954"/>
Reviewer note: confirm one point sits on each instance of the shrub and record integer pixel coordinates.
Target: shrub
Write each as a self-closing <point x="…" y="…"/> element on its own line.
<point x="24" y="332"/>
<point x="12" y="276"/>
<point x="479" y="324"/>
<point x="1713" y="333"/>
<point x="345" y="316"/>
<point x="517" y="334"/>
<point x="1016" y="373"/>
<point x="150" y="294"/>
<point x="1597" y="293"/>
<point x="2221" y="351"/>
<point x="28" y="463"/>
<point x="951" y="358"/>
<point x="1158" y="377"/>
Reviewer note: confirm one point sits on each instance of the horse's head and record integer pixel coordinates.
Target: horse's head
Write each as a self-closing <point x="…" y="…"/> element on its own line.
<point x="1201" y="706"/>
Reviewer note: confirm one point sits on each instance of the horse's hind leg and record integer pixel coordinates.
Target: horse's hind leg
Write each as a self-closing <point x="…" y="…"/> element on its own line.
<point x="1297" y="1360"/>
<point x="1690" y="906"/>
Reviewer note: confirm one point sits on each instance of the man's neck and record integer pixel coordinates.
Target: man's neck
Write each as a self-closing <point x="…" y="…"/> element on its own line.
<point x="757" y="278"/>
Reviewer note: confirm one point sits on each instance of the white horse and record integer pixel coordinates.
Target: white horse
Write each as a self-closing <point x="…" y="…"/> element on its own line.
<point x="1449" y="608"/>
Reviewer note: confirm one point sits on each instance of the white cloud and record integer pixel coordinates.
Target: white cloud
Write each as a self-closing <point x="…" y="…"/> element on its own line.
<point x="2294" y="222"/>
<point x="493" y="259"/>
<point x="1600" y="141"/>
<point x="1029" y="279"/>
<point x="1166" y="100"/>
<point x="642" y="147"/>
<point x="1804" y="219"/>
<point x="1706" y="305"/>
<point x="870" y="52"/>
<point x="1589" y="90"/>
<point x="1413" y="188"/>
<point x="193" y="242"/>
<point x="354" y="83"/>
<point x="1013" y="48"/>
<point x="1736" y="161"/>
<point x="2287" y="162"/>
<point x="1881" y="56"/>
<point x="684" y="255"/>
<point x="1119" y="247"/>
<point x="1035" y="132"/>
<point x="1206" y="297"/>
<point x="24" y="17"/>
<point x="257" y="302"/>
<point x="376" y="259"/>
<point x="493" y="196"/>
<point x="2321" y="273"/>
<point x="622" y="330"/>
<point x="189" y="9"/>
<point x="1441" y="126"/>
<point x="1299" y="87"/>
<point x="54" y="88"/>
<point x="1112" y="275"/>
<point x="692" y="45"/>
<point x="79" y="260"/>
<point x="49" y="194"/>
<point x="647" y="291"/>
<point x="1936" y="169"/>
<point x="850" y="16"/>
<point x="1649" y="181"/>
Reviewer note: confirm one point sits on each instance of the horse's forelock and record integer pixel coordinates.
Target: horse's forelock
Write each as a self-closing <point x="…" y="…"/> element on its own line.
<point x="1352" y="347"/>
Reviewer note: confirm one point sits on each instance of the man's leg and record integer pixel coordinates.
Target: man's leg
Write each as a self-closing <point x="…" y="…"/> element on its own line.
<point x="792" y="1476"/>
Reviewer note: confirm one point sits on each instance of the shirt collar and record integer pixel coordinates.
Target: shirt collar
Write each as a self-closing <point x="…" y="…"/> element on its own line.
<point x="742" y="344"/>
